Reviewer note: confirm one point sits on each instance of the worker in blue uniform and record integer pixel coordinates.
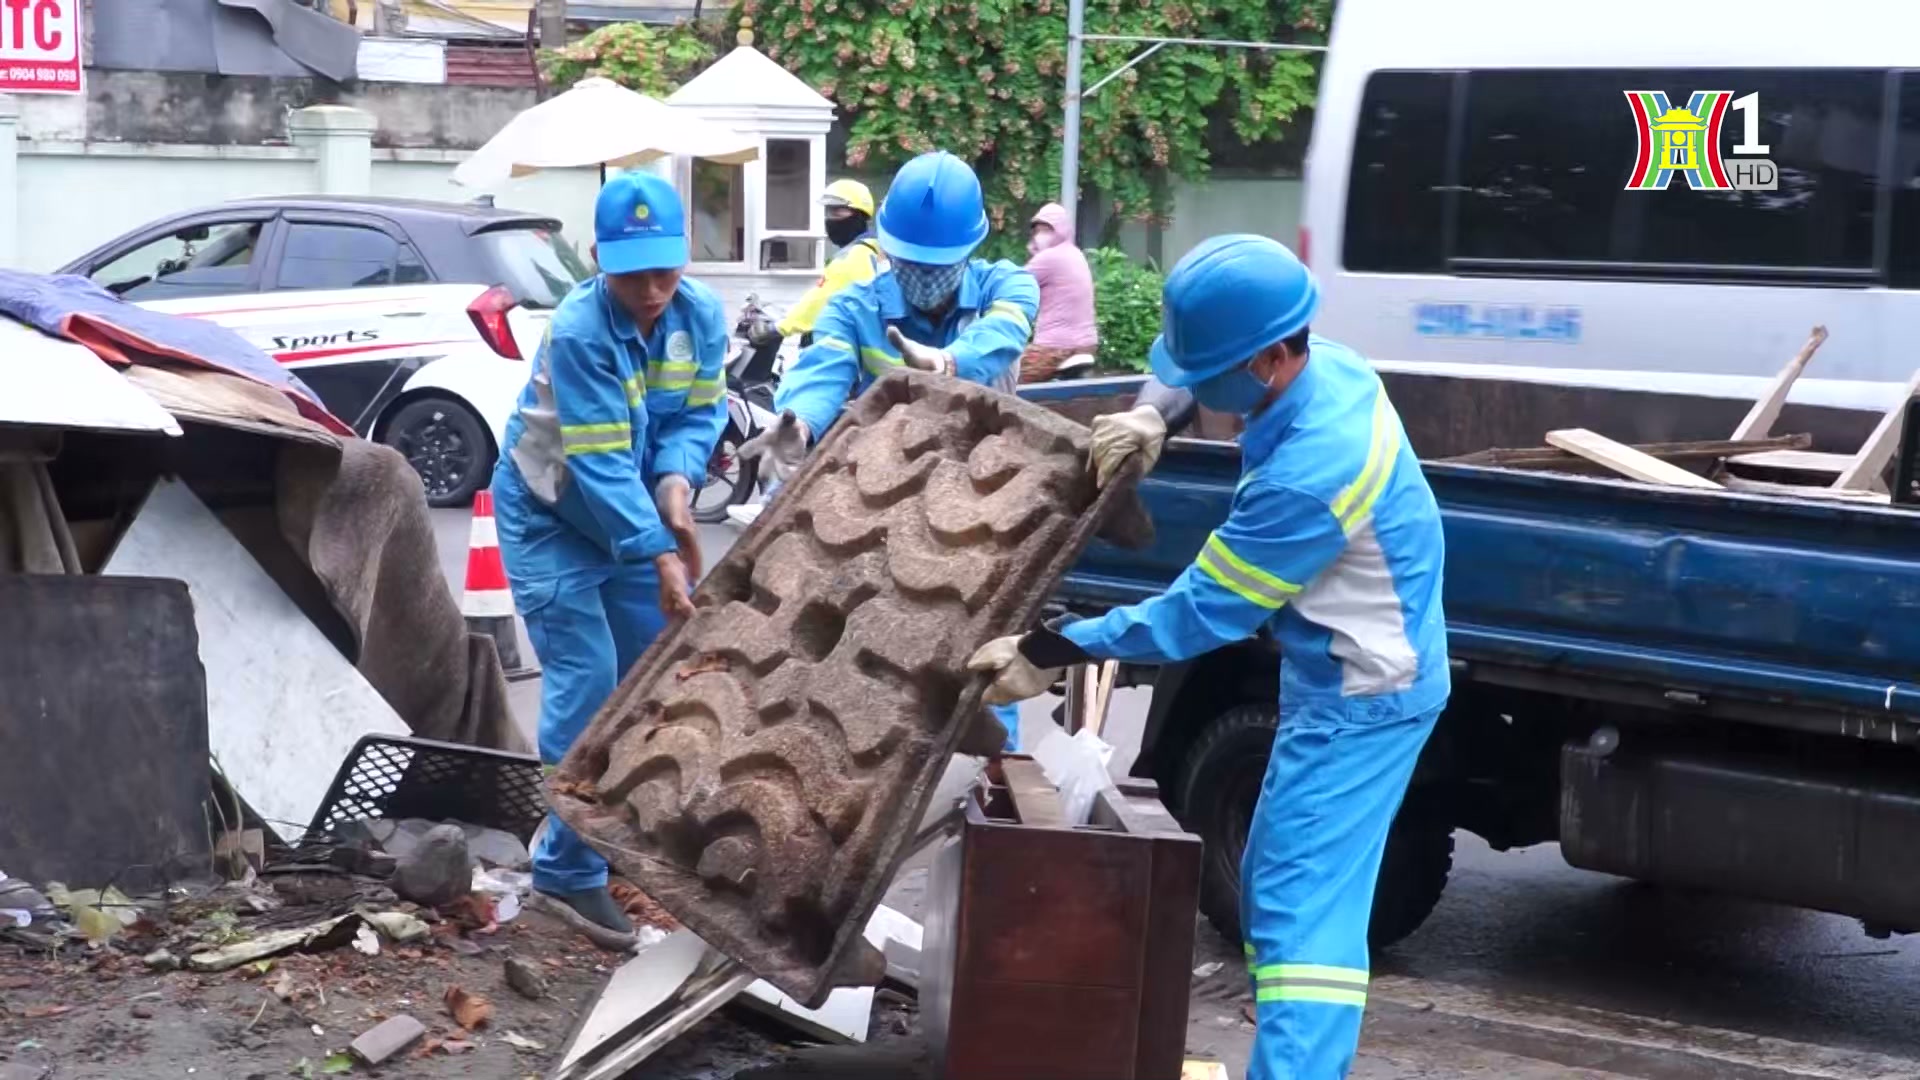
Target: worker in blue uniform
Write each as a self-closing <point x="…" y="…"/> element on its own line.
<point x="625" y="401"/>
<point x="933" y="309"/>
<point x="1333" y="542"/>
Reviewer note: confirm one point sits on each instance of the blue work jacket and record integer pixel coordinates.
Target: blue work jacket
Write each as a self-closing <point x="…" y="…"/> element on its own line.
<point x="607" y="412"/>
<point x="986" y="328"/>
<point x="1333" y="540"/>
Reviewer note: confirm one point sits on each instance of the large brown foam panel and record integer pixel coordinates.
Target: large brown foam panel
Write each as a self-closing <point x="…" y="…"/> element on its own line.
<point x="759" y="771"/>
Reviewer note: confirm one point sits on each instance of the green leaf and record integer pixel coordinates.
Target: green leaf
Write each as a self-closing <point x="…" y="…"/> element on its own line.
<point x="336" y="1064"/>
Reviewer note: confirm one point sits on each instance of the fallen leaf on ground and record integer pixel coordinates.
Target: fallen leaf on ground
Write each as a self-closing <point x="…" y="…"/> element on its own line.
<point x="95" y="925"/>
<point x="337" y="1064"/>
<point x="470" y="1011"/>
<point x="473" y="911"/>
<point x="456" y="1046"/>
<point x="16" y="982"/>
<point x="41" y="1012"/>
<point x="521" y="1042"/>
<point x="578" y="789"/>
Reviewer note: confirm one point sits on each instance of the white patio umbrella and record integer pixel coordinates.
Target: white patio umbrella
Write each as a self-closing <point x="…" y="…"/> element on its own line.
<point x="599" y="122"/>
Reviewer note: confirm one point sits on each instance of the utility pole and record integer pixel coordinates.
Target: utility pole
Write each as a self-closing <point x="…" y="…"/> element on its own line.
<point x="1070" y="138"/>
<point x="553" y="23"/>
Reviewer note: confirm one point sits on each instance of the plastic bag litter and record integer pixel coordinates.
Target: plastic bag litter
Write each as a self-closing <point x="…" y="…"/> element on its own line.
<point x="504" y="888"/>
<point x="1077" y="765"/>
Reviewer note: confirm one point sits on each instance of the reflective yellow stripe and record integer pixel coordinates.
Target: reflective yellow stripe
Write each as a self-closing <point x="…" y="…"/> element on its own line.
<point x="1356" y="502"/>
<point x="832" y="343"/>
<point x="1012" y="311"/>
<point x="1325" y="972"/>
<point x="1324" y="995"/>
<point x="878" y="361"/>
<point x="671" y="374"/>
<point x="706" y="391"/>
<point x="1243" y="579"/>
<point x="596" y="438"/>
<point x="1322" y="983"/>
<point x="576" y="449"/>
<point x="636" y="390"/>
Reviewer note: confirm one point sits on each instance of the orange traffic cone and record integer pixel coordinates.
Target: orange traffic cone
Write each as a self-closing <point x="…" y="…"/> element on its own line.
<point x="487" y="603"/>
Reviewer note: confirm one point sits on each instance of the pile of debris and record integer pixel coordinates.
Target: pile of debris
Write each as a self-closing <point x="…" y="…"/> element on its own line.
<point x="381" y="940"/>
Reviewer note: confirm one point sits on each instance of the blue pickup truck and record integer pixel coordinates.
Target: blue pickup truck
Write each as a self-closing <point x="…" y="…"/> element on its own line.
<point x="1704" y="688"/>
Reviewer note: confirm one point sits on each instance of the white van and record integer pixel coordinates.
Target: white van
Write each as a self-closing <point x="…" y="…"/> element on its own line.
<point x="1471" y="191"/>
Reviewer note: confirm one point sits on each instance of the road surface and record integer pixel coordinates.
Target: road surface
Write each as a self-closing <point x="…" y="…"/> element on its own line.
<point x="1530" y="969"/>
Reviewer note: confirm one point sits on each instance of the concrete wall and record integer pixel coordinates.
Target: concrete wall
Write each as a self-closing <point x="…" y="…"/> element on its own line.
<point x="72" y="197"/>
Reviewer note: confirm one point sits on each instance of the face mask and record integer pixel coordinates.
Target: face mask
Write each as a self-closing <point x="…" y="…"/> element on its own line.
<point x="844" y="231"/>
<point x="1237" y="392"/>
<point x="928" y="288"/>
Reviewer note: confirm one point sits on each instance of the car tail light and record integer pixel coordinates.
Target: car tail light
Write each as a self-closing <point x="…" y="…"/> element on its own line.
<point x="1305" y="247"/>
<point x="489" y="314"/>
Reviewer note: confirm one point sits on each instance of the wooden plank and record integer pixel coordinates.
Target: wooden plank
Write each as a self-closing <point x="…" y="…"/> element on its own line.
<point x="1760" y="420"/>
<point x="1797" y="461"/>
<point x="1864" y="473"/>
<point x="1705" y="451"/>
<point x="1804" y="491"/>
<point x="1102" y="694"/>
<point x="1625" y="460"/>
<point x="1035" y="798"/>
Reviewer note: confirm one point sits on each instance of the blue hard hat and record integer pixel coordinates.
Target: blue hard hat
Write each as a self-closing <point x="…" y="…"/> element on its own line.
<point x="1226" y="300"/>
<point x="638" y="225"/>
<point x="933" y="212"/>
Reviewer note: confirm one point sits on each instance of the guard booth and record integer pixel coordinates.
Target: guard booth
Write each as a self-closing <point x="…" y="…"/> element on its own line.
<point x="757" y="228"/>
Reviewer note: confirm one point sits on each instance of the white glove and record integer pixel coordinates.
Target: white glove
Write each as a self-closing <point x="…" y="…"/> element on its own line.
<point x="920" y="357"/>
<point x="1118" y="436"/>
<point x="1014" y="676"/>
<point x="780" y="449"/>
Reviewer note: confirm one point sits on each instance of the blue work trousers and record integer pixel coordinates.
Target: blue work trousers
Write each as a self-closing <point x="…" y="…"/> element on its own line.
<point x="1339" y="770"/>
<point x="589" y="619"/>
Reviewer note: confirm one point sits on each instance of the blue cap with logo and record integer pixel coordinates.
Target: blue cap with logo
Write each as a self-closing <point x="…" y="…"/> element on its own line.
<point x="638" y="225"/>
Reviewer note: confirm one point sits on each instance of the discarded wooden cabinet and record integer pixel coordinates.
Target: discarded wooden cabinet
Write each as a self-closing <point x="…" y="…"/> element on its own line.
<point x="1055" y="951"/>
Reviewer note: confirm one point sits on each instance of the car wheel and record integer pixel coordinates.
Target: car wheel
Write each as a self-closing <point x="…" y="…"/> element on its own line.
<point x="446" y="444"/>
<point x="730" y="479"/>
<point x="1222" y="783"/>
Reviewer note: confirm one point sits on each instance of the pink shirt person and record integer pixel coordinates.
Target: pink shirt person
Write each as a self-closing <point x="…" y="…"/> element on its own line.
<point x="1066" y="284"/>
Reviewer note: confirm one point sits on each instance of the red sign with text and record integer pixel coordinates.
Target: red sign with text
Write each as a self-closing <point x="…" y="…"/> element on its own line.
<point x="40" y="46"/>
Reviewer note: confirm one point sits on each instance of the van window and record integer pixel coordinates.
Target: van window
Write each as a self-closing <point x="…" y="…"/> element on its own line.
<point x="1396" y="191"/>
<point x="1546" y="156"/>
<point x="1903" y="249"/>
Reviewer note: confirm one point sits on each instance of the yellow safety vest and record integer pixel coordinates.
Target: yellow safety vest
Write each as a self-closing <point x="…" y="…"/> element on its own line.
<point x="859" y="263"/>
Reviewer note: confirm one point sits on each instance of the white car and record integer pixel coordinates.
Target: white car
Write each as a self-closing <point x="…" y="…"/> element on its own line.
<point x="413" y="321"/>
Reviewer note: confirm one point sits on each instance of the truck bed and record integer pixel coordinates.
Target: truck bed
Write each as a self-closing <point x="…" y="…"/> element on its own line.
<point x="1783" y="611"/>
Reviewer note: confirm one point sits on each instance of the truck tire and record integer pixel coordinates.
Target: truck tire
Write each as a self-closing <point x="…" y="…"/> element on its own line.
<point x="1220" y="786"/>
<point x="447" y="446"/>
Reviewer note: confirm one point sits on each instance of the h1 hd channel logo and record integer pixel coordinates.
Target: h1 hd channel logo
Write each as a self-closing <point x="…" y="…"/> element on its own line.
<point x="1687" y="142"/>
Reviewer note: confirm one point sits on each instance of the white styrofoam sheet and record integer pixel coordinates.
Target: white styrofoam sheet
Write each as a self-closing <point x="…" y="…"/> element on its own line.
<point x="644" y="983"/>
<point x="283" y="706"/>
<point x="57" y="383"/>
<point x="847" y="1011"/>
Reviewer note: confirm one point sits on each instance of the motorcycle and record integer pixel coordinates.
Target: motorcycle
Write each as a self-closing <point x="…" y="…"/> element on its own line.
<point x="732" y="482"/>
